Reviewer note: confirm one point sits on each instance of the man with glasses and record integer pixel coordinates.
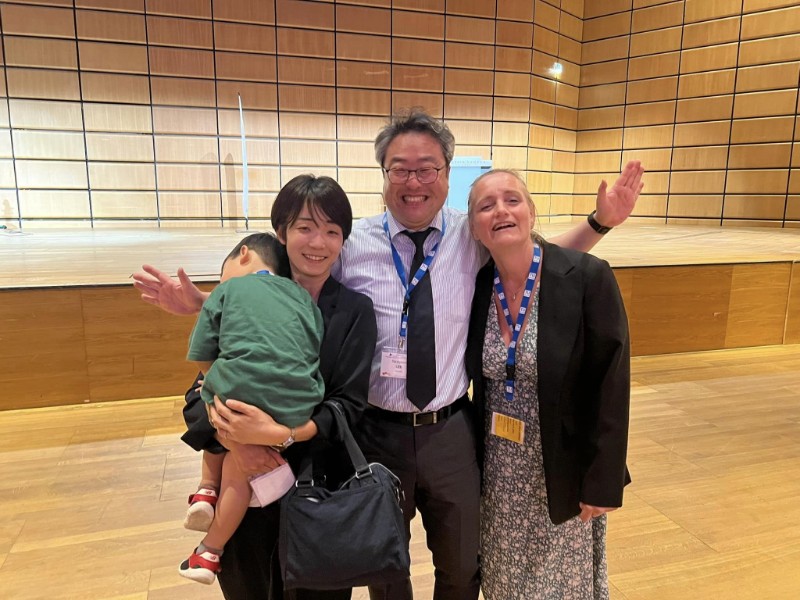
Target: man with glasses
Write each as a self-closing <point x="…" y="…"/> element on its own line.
<point x="418" y="263"/>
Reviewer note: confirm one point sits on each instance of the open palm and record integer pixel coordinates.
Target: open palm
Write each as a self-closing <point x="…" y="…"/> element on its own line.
<point x="616" y="203"/>
<point x="179" y="297"/>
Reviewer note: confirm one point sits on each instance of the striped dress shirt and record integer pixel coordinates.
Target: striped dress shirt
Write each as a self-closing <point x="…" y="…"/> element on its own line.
<point x="366" y="266"/>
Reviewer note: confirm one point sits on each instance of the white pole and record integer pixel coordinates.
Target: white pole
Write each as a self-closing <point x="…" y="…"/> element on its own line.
<point x="245" y="178"/>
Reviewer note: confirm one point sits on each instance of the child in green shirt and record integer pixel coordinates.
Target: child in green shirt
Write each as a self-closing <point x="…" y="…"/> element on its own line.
<point x="257" y="340"/>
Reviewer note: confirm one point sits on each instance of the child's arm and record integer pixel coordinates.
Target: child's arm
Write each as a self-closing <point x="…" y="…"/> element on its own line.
<point x="204" y="366"/>
<point x="204" y="339"/>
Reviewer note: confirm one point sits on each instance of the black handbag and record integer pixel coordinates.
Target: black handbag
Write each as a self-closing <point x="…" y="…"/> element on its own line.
<point x="352" y="536"/>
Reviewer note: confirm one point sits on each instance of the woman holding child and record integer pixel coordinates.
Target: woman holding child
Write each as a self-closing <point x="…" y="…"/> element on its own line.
<point x="549" y="357"/>
<point x="312" y="217"/>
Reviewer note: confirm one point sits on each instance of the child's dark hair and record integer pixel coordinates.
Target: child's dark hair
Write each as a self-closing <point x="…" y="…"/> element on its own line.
<point x="268" y="249"/>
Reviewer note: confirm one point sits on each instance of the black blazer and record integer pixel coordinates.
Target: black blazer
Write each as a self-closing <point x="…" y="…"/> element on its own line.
<point x="345" y="359"/>
<point x="584" y="378"/>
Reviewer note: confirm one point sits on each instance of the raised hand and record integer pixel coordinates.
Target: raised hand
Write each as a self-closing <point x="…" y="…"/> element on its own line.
<point x="179" y="297"/>
<point x="615" y="204"/>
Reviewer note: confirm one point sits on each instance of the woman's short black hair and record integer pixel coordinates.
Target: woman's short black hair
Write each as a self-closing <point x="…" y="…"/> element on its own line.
<point x="322" y="195"/>
<point x="269" y="249"/>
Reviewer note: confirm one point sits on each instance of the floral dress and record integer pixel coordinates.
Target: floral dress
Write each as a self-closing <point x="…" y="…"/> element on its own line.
<point x="523" y="555"/>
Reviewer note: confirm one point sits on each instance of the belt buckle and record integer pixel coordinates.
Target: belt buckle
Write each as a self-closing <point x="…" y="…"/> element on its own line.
<point x="434" y="416"/>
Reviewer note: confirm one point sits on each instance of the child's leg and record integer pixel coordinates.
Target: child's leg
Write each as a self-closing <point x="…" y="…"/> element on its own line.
<point x="200" y="513"/>
<point x="234" y="498"/>
<point x="211" y="473"/>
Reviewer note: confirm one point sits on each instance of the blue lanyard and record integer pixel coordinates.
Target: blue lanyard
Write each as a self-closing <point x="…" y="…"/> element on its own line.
<point x="511" y="360"/>
<point x="401" y="273"/>
<point x="263" y="272"/>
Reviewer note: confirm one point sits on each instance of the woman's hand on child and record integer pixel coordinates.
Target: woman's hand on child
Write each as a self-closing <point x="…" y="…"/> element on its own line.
<point x="245" y="424"/>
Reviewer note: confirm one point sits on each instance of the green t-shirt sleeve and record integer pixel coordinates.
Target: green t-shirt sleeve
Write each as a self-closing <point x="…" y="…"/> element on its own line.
<point x="204" y="341"/>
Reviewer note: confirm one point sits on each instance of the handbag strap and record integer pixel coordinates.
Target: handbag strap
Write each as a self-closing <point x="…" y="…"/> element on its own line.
<point x="305" y="477"/>
<point x="353" y="451"/>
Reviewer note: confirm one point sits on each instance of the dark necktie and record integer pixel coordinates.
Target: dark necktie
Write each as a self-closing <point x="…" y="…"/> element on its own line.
<point x="421" y="367"/>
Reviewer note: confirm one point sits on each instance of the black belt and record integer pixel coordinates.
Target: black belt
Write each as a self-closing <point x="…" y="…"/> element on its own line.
<point x="420" y="418"/>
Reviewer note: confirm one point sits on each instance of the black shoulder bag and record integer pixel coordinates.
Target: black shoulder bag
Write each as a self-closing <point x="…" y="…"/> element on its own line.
<point x="352" y="536"/>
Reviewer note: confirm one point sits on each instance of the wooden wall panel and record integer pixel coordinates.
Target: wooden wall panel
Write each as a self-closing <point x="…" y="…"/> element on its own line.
<point x="128" y="204"/>
<point x="200" y="9"/>
<point x="792" y="332"/>
<point x="195" y="204"/>
<point x="42" y="84"/>
<point x="114" y="58"/>
<point x="187" y="33"/>
<point x="188" y="177"/>
<point x="767" y="77"/>
<point x="706" y="84"/>
<point x="179" y="91"/>
<point x="36" y="204"/>
<point x="758" y="305"/>
<point x="129" y="353"/>
<point x="362" y="75"/>
<point x="754" y="206"/>
<point x="38" y="114"/>
<point x="479" y="31"/>
<point x="699" y="206"/>
<point x="116" y="118"/>
<point x="108" y="87"/>
<point x="244" y="38"/>
<point x="51" y="174"/>
<point x="37" y="21"/>
<point x="665" y="81"/>
<point x="245" y="12"/>
<point x="43" y="328"/>
<point x="696" y="297"/>
<point x="121" y="176"/>
<point x="63" y="145"/>
<point x="736" y="103"/>
<point x="103" y="343"/>
<point x="259" y="152"/>
<point x="40" y="52"/>
<point x="109" y="26"/>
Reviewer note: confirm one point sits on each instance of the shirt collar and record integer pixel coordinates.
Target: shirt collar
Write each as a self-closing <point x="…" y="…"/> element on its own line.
<point x="395" y="227"/>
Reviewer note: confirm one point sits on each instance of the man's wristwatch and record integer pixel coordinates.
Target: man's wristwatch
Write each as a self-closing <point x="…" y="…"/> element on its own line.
<point x="288" y="442"/>
<point x="601" y="229"/>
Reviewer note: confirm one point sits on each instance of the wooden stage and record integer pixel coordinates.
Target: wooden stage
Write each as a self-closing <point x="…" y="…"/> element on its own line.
<point x="73" y="329"/>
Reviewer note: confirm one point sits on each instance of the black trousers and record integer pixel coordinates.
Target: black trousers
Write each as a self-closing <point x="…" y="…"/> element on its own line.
<point x="250" y="566"/>
<point x="439" y="473"/>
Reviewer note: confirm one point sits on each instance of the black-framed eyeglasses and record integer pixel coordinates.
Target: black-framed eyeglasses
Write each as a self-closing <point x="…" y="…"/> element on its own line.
<point x="423" y="175"/>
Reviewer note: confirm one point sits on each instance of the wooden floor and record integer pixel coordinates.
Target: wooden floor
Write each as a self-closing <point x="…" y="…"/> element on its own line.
<point x="92" y="496"/>
<point x="44" y="258"/>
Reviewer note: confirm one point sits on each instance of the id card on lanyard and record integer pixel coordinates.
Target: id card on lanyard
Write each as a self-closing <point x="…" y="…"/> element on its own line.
<point x="393" y="360"/>
<point x="503" y="425"/>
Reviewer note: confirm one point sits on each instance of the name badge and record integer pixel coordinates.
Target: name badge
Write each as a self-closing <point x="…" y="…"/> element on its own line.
<point x="393" y="363"/>
<point x="508" y="428"/>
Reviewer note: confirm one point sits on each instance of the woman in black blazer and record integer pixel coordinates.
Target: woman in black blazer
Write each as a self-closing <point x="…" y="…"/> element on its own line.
<point x="311" y="216"/>
<point x="554" y="424"/>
